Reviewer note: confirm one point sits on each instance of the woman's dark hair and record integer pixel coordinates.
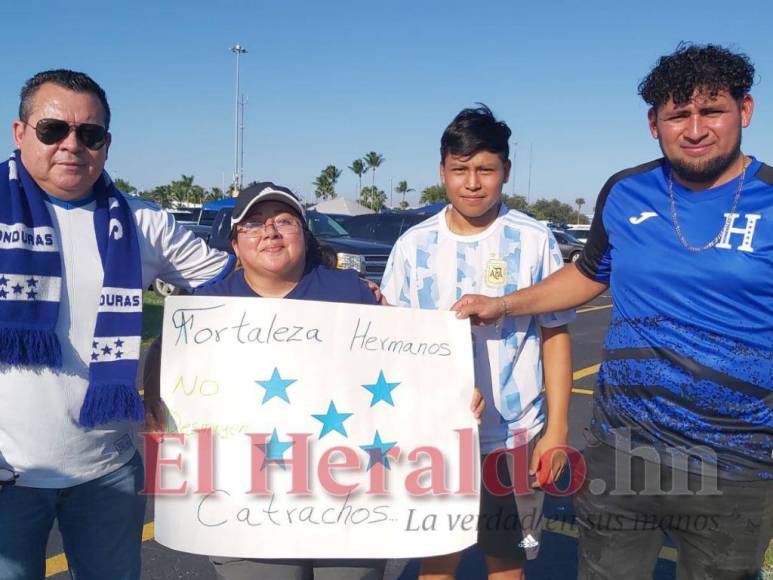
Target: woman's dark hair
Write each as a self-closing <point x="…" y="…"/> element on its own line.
<point x="707" y="68"/>
<point x="316" y="253"/>
<point x="67" y="79"/>
<point x="473" y="131"/>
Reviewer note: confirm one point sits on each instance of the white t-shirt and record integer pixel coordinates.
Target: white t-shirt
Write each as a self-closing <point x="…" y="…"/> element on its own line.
<point x="431" y="267"/>
<point x="40" y="436"/>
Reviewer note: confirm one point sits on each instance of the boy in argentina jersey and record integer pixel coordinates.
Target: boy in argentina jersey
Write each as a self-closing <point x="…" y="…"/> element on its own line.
<point x="477" y="245"/>
<point x="683" y="411"/>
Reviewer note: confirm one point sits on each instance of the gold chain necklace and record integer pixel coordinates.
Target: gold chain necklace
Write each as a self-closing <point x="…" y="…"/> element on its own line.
<point x="711" y="243"/>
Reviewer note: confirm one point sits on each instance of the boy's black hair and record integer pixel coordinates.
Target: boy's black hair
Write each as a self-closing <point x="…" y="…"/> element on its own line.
<point x="709" y="68"/>
<point x="473" y="131"/>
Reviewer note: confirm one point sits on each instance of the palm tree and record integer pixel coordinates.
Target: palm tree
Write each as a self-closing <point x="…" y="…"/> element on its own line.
<point x="323" y="188"/>
<point x="162" y="195"/>
<point x="580" y="202"/>
<point x="181" y="189"/>
<point x="402" y="188"/>
<point x="373" y="197"/>
<point x="324" y="184"/>
<point x="332" y="173"/>
<point x="434" y="194"/>
<point x="215" y="193"/>
<point x="125" y="186"/>
<point x="358" y="168"/>
<point x="373" y="160"/>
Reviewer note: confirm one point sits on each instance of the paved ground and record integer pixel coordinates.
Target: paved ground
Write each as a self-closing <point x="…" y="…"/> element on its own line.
<point x="558" y="553"/>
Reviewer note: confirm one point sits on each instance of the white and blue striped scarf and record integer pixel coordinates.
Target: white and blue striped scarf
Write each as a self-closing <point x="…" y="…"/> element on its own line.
<point x="30" y="290"/>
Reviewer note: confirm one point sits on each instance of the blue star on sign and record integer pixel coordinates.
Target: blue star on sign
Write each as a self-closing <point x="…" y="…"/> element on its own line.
<point x="276" y="386"/>
<point x="17" y="289"/>
<point x="274" y="449"/>
<point x="377" y="451"/>
<point x="32" y="283"/>
<point x="381" y="390"/>
<point x="332" y="421"/>
<point x="3" y="292"/>
<point x="3" y="281"/>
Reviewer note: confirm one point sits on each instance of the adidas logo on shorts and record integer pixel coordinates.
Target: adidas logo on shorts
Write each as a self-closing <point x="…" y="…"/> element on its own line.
<point x="528" y="543"/>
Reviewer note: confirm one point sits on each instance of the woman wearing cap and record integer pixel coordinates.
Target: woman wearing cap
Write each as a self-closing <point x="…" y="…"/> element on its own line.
<point x="282" y="259"/>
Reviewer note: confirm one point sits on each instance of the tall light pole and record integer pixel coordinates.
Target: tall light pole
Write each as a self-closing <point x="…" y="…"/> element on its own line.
<point x="243" y="104"/>
<point x="238" y="50"/>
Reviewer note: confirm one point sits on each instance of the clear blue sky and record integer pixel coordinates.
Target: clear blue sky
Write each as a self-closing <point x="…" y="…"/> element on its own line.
<point x="329" y="81"/>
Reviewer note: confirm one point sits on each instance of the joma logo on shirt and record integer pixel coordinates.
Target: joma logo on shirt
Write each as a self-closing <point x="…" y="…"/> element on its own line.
<point x="747" y="231"/>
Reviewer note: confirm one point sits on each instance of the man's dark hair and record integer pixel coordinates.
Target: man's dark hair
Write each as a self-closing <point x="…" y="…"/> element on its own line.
<point x="473" y="131"/>
<point x="708" y="68"/>
<point x="68" y="79"/>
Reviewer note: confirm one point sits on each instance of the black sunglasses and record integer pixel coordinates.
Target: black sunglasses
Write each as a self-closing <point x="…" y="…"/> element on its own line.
<point x="50" y="131"/>
<point x="7" y="477"/>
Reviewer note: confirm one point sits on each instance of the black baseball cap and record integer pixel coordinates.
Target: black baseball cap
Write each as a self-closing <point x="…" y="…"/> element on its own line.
<point x="265" y="191"/>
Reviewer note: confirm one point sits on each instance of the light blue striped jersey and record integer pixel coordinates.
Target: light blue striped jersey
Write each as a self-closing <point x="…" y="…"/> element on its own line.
<point x="431" y="267"/>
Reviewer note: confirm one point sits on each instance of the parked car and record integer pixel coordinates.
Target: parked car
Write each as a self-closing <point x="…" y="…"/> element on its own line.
<point x="366" y="256"/>
<point x="186" y="216"/>
<point x="383" y="227"/>
<point x="340" y="218"/>
<point x="580" y="232"/>
<point x="571" y="247"/>
<point x="189" y="219"/>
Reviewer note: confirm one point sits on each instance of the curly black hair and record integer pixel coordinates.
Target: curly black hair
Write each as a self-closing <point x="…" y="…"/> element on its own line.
<point x="709" y="68"/>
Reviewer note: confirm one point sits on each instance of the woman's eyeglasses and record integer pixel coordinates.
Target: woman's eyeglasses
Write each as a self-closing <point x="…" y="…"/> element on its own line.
<point x="256" y="229"/>
<point x="50" y="131"/>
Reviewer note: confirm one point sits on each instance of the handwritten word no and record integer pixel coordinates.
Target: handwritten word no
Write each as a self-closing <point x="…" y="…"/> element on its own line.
<point x="205" y="387"/>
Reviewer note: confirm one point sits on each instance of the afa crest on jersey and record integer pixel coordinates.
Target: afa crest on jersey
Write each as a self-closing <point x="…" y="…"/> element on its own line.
<point x="496" y="272"/>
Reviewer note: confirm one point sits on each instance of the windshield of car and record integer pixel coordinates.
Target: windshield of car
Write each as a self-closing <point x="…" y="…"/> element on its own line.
<point x="190" y="215"/>
<point x="565" y="238"/>
<point x="207" y="217"/>
<point x="383" y="227"/>
<point x="325" y="226"/>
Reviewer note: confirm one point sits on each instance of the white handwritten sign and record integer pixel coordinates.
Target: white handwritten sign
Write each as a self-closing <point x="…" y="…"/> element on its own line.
<point x="313" y="429"/>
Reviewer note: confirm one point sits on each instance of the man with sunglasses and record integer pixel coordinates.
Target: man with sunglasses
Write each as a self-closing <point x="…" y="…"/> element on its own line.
<point x="75" y="255"/>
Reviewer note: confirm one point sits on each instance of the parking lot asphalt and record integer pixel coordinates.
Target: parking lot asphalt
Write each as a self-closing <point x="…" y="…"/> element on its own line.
<point x="557" y="559"/>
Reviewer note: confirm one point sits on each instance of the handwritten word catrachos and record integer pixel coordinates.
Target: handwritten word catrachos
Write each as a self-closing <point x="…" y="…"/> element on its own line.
<point x="211" y="515"/>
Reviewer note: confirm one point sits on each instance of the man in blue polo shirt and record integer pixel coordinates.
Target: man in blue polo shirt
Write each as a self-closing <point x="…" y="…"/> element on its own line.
<point x="683" y="411"/>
